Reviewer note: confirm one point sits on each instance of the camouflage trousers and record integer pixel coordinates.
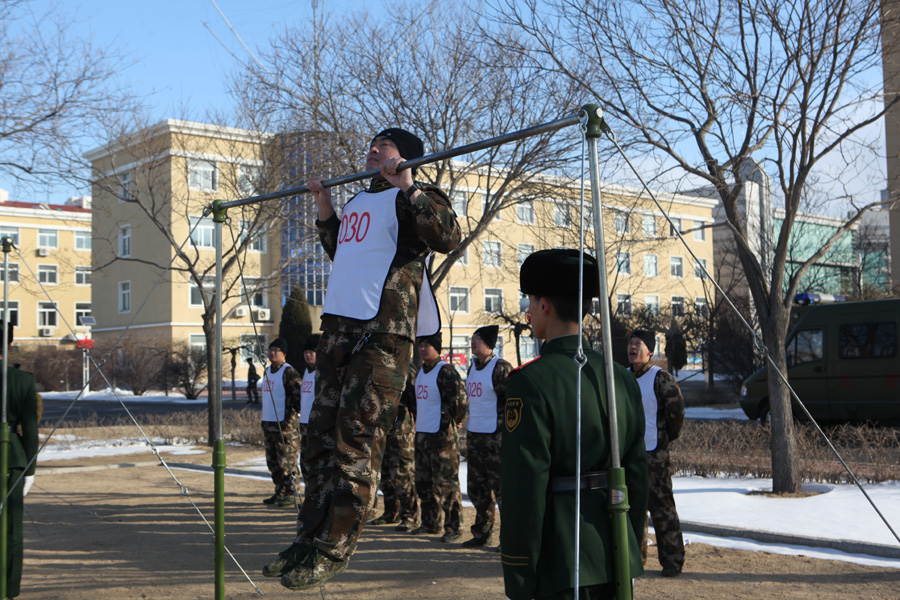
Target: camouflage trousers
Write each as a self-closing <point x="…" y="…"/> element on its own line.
<point x="483" y="479"/>
<point x="304" y="468"/>
<point x="357" y="393"/>
<point x="398" y="478"/>
<point x="669" y="541"/>
<point x="282" y="441"/>
<point x="437" y="478"/>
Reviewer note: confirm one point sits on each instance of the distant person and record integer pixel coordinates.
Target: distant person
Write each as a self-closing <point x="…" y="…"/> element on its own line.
<point x="486" y="391"/>
<point x="22" y="416"/>
<point x="664" y="412"/>
<point x="440" y="410"/>
<point x="539" y="479"/>
<point x="307" y="397"/>
<point x="281" y="424"/>
<point x="252" y="378"/>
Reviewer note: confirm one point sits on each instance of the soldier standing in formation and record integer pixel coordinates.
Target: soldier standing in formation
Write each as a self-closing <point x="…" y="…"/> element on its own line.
<point x="664" y="411"/>
<point x="307" y="396"/>
<point x="398" y="469"/>
<point x="440" y="410"/>
<point x="486" y="391"/>
<point x="539" y="480"/>
<point x="252" y="378"/>
<point x="377" y="301"/>
<point x="281" y="424"/>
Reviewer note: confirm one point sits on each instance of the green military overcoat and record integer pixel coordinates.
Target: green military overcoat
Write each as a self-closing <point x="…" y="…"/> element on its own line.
<point x="539" y="443"/>
<point x="22" y="418"/>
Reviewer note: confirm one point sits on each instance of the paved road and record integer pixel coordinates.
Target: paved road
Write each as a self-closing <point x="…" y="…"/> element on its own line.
<point x="100" y="410"/>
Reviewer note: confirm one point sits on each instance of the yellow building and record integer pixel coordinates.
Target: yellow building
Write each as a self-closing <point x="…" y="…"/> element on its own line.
<point x="150" y="190"/>
<point x="52" y="257"/>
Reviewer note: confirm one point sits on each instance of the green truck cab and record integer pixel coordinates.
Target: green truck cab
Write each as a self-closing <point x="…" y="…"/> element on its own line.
<point x="842" y="362"/>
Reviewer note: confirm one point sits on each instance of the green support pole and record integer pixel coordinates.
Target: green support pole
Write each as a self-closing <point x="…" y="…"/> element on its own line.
<point x="218" y="465"/>
<point x="618" y="493"/>
<point x="4" y="427"/>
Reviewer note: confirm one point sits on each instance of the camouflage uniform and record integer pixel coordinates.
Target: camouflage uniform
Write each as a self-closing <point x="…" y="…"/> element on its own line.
<point x="670" y="416"/>
<point x="398" y="469"/>
<point x="282" y="439"/>
<point x="360" y="373"/>
<point x="483" y="458"/>
<point x="437" y="455"/>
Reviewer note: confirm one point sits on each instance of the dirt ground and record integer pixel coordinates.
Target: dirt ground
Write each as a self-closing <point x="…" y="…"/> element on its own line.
<point x="99" y="533"/>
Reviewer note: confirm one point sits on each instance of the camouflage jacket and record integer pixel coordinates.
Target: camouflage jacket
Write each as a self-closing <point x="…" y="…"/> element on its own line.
<point x="454" y="403"/>
<point x="406" y="410"/>
<point x="427" y="224"/>
<point x="498" y="378"/>
<point x="670" y="403"/>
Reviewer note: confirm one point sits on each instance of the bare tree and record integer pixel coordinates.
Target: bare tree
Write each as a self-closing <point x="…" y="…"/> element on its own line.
<point x="187" y="367"/>
<point x="55" y="91"/>
<point x="706" y="86"/>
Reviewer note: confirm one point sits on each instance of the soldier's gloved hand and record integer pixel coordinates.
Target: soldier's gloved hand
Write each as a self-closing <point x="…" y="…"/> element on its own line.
<point x="29" y="481"/>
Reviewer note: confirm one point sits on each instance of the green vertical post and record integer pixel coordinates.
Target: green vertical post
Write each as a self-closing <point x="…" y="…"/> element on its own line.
<point x="4" y="427"/>
<point x="218" y="465"/>
<point x="618" y="493"/>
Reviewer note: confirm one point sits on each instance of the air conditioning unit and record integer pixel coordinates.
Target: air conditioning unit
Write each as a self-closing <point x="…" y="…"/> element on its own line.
<point x="43" y="252"/>
<point x="263" y="314"/>
<point x="240" y="311"/>
<point x="45" y="331"/>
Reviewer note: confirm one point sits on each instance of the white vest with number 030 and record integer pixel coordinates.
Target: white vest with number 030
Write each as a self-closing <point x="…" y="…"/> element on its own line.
<point x="367" y="245"/>
<point x="273" y="394"/>
<point x="428" y="400"/>
<point x="307" y="395"/>
<point x="651" y="407"/>
<point x="482" y="399"/>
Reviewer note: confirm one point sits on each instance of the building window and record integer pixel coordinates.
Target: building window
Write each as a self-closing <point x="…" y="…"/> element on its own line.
<point x="257" y="244"/>
<point x="126" y="193"/>
<point x="82" y="309"/>
<point x="459" y="200"/>
<point x="527" y="348"/>
<point x="10" y="232"/>
<point x="700" y="268"/>
<point x="464" y="258"/>
<point x="561" y="216"/>
<point x="203" y="175"/>
<point x="46" y="314"/>
<point x="623" y="304"/>
<point x="203" y="232"/>
<point x="484" y="206"/>
<point x="196" y="296"/>
<point x="48" y="238"/>
<point x="124" y="296"/>
<point x="82" y="240"/>
<point x="621" y="222"/>
<point x="701" y="307"/>
<point x="651" y="305"/>
<point x="675" y="227"/>
<point x="197" y="343"/>
<point x="648" y="225"/>
<point x="677" y="306"/>
<point x="48" y="274"/>
<point x="491" y="254"/>
<point x="650" y="266"/>
<point x="523" y="252"/>
<point x="699" y="232"/>
<point x="13" y="273"/>
<point x="459" y="299"/>
<point x="124" y="241"/>
<point x="255" y="290"/>
<point x="676" y="267"/>
<point x="525" y="212"/>
<point x="252" y="346"/>
<point x="493" y="300"/>
<point x="623" y="263"/>
<point x="13" y="312"/>
<point x="82" y="276"/>
<point x="249" y="180"/>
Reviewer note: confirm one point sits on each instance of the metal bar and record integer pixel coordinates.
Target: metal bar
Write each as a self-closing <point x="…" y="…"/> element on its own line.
<point x="4" y="429"/>
<point x="218" y="444"/>
<point x="417" y="162"/>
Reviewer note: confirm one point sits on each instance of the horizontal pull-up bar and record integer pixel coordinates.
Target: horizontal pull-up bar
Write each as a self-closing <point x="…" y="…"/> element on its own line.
<point x="409" y="164"/>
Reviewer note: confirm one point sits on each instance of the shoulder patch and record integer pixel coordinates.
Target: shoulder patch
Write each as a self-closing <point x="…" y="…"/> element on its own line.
<point x="514" y="409"/>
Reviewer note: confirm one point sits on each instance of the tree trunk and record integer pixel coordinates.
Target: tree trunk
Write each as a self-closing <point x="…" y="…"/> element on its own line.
<point x="785" y="458"/>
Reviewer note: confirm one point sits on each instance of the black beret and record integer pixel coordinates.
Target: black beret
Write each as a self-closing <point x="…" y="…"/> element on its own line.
<point x="488" y="334"/>
<point x="434" y="340"/>
<point x="408" y="144"/>
<point x="554" y="273"/>
<point x="648" y="337"/>
<point x="312" y="341"/>
<point x="280" y="344"/>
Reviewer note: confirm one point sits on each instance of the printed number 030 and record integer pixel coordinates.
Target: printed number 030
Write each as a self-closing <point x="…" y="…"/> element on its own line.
<point x="354" y="227"/>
